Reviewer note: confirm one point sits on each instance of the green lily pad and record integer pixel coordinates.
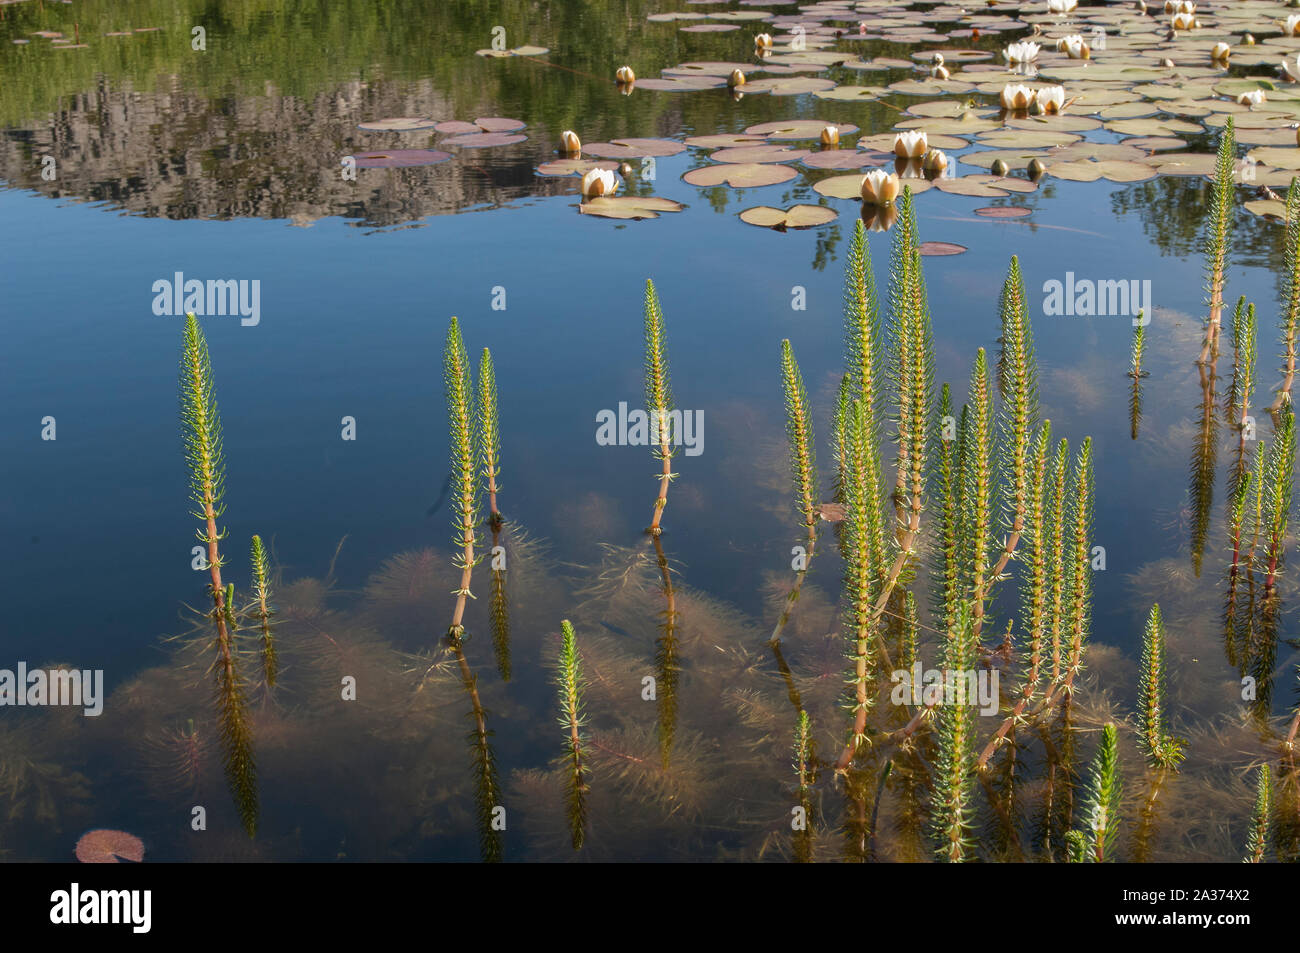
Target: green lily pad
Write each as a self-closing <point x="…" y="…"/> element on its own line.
<point x="740" y="175"/>
<point x="797" y="216"/>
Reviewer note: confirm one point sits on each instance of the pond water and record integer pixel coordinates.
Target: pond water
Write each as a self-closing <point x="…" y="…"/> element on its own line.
<point x="141" y="157"/>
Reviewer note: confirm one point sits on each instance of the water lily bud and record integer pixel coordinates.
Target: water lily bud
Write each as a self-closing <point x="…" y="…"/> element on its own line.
<point x="1074" y="47"/>
<point x="1292" y="25"/>
<point x="570" y="142"/>
<point x="737" y="78"/>
<point x="1000" y="167"/>
<point x="879" y="187"/>
<point x="1220" y="52"/>
<point x="1247" y="39"/>
<point x="625" y="169"/>
<point x="599" y="182"/>
<point x="910" y="144"/>
<point x="937" y="59"/>
<point x="939" y="72"/>
<point x="1167" y="63"/>
<point x="1061" y="6"/>
<point x="1036" y="168"/>
<point x="763" y="41"/>
<point x="1183" y="21"/>
<point x="1140" y="6"/>
<point x="625" y="75"/>
<point x="934" y="160"/>
<point x="1291" y="70"/>
<point x="1253" y="98"/>
<point x="830" y="136"/>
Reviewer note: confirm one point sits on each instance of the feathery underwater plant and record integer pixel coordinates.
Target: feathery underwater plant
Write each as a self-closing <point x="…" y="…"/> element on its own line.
<point x="1101" y="810"/>
<point x="803" y="471"/>
<point x="1242" y="389"/>
<point x="1261" y="820"/>
<point x="489" y="439"/>
<point x="1290" y="317"/>
<point x="953" y="807"/>
<point x="459" y="386"/>
<point x="1216" y="240"/>
<point x="659" y="397"/>
<point x="201" y="428"/>
<point x="262" y="609"/>
<point x="805" y="775"/>
<point x="1136" y="372"/>
<point x="1279" y="480"/>
<point x="570" y="681"/>
<point x="1161" y="749"/>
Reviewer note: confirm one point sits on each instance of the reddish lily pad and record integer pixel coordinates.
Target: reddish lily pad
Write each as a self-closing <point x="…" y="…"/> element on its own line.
<point x="797" y="216"/>
<point x="634" y="148"/>
<point x="109" y="847"/>
<point x="938" y="249"/>
<point x="740" y="175"/>
<point x="483" y="139"/>
<point x="399" y="158"/>
<point x="403" y="124"/>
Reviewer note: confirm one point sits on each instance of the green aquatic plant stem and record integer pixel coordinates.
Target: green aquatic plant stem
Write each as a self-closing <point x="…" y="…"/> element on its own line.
<point x="489" y="433"/>
<point x="804" y="770"/>
<point x="659" y="398"/>
<point x="803" y="470"/>
<point x="262" y="609"/>
<point x="570" y="682"/>
<point x="1105" y="791"/>
<point x="1290" y="317"/>
<point x="1279" y="479"/>
<point x="859" y="584"/>
<point x="952" y="805"/>
<point x="1261" y="821"/>
<point x="459" y="389"/>
<point x="204" y="453"/>
<point x="1162" y="751"/>
<point x="1137" y="373"/>
<point x="978" y="476"/>
<point x="1216" y="241"/>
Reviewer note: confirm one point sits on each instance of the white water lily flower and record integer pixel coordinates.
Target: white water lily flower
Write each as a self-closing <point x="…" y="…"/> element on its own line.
<point x="625" y="75"/>
<point x="763" y="41"/>
<point x="1253" y="98"/>
<point x="1025" y="52"/>
<point x="1061" y="6"/>
<point x="830" y="135"/>
<point x="1180" y="6"/>
<point x="1183" y="21"/>
<point x="1220" y="52"/>
<point x="1015" y="96"/>
<point x="879" y="187"/>
<point x="1074" y="47"/>
<point x="910" y="144"/>
<point x="570" y="141"/>
<point x="1051" y="99"/>
<point x="599" y="182"/>
<point x="1291" y="70"/>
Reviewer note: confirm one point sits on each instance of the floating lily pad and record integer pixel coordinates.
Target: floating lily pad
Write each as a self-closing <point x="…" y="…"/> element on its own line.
<point x="763" y="153"/>
<point x="787" y="85"/>
<point x="109" y="847"/>
<point x="1003" y="211"/>
<point x="498" y="124"/>
<point x="938" y="249"/>
<point x="629" y="206"/>
<point x="724" y="141"/>
<point x="680" y="84"/>
<point x="710" y="28"/>
<point x="482" y="140"/>
<point x="398" y="158"/>
<point x="740" y="175"/>
<point x="846" y="159"/>
<point x="797" y="216"/>
<point x="574" y="167"/>
<point x="634" y="148"/>
<point x="1274" y="209"/>
<point x="404" y="124"/>
<point x="851" y="93"/>
<point x="798" y="129"/>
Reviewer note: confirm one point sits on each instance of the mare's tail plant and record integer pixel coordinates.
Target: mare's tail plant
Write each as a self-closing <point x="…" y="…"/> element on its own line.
<point x="803" y="471"/>
<point x="489" y="438"/>
<point x="201" y="427"/>
<point x="459" y="384"/>
<point x="1161" y="749"/>
<point x="262" y="609"/>
<point x="1216" y="240"/>
<point x="1291" y="315"/>
<point x="1261" y="821"/>
<point x="1101" y="811"/>
<point x="570" y="681"/>
<point x="659" y="398"/>
<point x="1137" y="373"/>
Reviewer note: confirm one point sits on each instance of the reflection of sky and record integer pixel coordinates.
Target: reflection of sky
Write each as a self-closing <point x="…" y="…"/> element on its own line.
<point x="352" y="324"/>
